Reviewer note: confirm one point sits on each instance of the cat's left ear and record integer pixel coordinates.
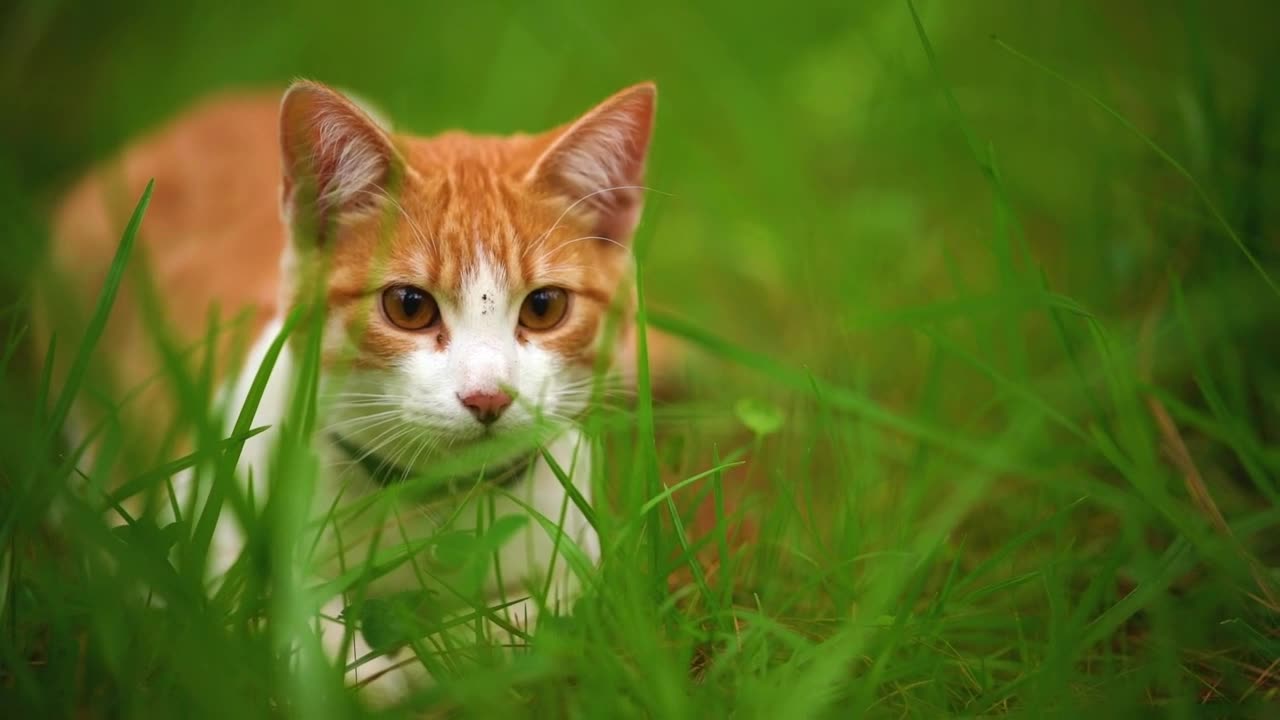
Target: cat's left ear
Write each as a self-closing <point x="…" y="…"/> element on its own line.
<point x="337" y="159"/>
<point x="597" y="162"/>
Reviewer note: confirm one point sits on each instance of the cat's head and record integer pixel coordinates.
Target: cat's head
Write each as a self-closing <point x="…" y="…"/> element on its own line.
<point x="467" y="279"/>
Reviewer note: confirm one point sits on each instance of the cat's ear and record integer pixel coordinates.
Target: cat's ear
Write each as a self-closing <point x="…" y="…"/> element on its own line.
<point x="337" y="160"/>
<point x="597" y="162"/>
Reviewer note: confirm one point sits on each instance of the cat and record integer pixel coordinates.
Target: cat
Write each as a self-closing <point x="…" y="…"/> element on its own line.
<point x="467" y="281"/>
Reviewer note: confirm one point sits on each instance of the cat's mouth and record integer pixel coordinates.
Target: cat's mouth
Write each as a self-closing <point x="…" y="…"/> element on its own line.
<point x="498" y="467"/>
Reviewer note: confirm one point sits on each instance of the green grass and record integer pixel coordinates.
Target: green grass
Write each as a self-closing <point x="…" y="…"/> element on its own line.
<point x="942" y="275"/>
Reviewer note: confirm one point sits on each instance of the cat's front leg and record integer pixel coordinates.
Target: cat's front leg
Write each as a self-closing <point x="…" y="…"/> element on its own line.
<point x="380" y="678"/>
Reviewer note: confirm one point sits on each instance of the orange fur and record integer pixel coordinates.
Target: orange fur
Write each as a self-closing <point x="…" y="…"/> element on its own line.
<point x="213" y="236"/>
<point x="216" y="173"/>
<point x="262" y="205"/>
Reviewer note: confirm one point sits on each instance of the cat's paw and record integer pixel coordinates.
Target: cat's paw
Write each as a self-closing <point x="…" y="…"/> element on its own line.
<point x="380" y="678"/>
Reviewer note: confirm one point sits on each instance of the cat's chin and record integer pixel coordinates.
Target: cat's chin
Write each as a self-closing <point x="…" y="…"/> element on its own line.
<point x="497" y="437"/>
<point x="488" y="451"/>
<point x="495" y="440"/>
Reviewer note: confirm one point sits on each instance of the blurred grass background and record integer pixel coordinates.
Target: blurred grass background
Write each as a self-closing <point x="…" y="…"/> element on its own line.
<point x="971" y="506"/>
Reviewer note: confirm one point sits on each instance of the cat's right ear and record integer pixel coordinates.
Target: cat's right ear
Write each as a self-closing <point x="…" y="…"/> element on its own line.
<point x="337" y="160"/>
<point x="597" y="162"/>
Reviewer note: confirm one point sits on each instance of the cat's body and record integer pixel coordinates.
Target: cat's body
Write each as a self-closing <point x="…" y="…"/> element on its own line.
<point x="466" y="281"/>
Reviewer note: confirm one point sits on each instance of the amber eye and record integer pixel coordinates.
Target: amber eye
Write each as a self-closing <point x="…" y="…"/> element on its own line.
<point x="409" y="308"/>
<point x="544" y="308"/>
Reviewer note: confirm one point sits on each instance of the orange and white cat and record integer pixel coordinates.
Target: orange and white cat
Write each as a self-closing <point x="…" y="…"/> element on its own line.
<point x="467" y="280"/>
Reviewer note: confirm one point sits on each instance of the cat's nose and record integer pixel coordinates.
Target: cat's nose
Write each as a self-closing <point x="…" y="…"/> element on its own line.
<point x="486" y="406"/>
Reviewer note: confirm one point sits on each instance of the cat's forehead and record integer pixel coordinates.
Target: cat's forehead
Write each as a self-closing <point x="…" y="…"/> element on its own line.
<point x="470" y="200"/>
<point x="465" y="211"/>
<point x="468" y="220"/>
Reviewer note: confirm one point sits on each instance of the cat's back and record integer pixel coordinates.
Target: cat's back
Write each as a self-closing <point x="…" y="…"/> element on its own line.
<point x="211" y="237"/>
<point x="213" y="215"/>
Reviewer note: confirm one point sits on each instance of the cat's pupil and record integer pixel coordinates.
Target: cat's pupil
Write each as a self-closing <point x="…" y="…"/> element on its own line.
<point x="540" y="302"/>
<point x="411" y="302"/>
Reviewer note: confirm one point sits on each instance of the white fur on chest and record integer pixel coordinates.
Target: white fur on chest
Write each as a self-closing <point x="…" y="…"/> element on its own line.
<point x="523" y="560"/>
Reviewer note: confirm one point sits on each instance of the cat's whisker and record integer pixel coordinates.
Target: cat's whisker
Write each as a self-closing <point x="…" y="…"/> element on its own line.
<point x="387" y="460"/>
<point x="358" y="402"/>
<point x="350" y="394"/>
<point x="382" y="440"/>
<point x="410" y="451"/>
<point x="383" y="426"/>
<point x="547" y="253"/>
<point x="340" y="404"/>
<point x="362" y="422"/>
<point x="579" y="201"/>
<point x="412" y="465"/>
<point x="587" y="393"/>
<point x="379" y="191"/>
<point x="605" y="380"/>
<point x="564" y="268"/>
<point x="366" y="406"/>
<point x="362" y="417"/>
<point x="392" y="462"/>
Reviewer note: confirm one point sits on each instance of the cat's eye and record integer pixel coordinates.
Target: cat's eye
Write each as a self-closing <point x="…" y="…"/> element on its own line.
<point x="409" y="308"/>
<point x="544" y="308"/>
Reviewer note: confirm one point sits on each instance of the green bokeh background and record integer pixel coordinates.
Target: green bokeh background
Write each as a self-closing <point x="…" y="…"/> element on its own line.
<point x="824" y="206"/>
<point x="814" y="170"/>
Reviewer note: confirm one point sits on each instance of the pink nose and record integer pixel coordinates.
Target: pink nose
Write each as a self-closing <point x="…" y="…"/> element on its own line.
<point x="486" y="406"/>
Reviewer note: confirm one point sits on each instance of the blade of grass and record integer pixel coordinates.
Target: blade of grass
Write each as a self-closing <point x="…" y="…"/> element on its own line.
<point x="1155" y="147"/>
<point x="101" y="313"/>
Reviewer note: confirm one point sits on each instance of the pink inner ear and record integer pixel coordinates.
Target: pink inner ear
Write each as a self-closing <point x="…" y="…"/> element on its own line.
<point x="327" y="141"/>
<point x="598" y="161"/>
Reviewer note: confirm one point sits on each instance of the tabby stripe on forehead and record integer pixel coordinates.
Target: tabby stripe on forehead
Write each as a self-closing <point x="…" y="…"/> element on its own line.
<point x="339" y="296"/>
<point x="515" y="270"/>
<point x="444" y="193"/>
<point x="347" y="284"/>
<point x="595" y="294"/>
<point x="449" y="226"/>
<point x="498" y="235"/>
